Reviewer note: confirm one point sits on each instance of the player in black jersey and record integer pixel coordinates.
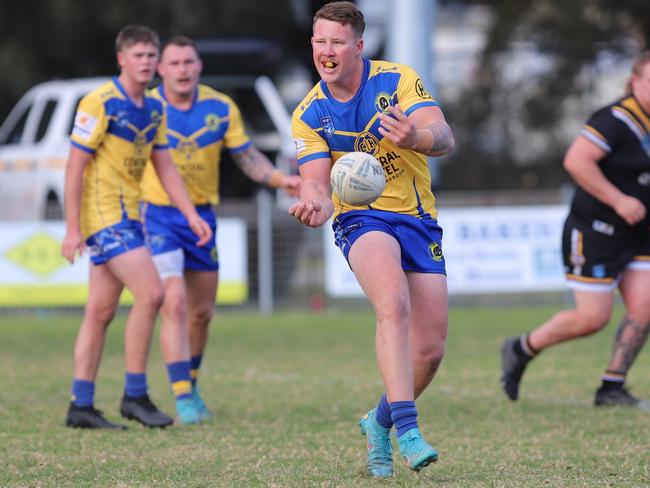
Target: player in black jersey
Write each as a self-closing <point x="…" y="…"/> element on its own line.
<point x="605" y="244"/>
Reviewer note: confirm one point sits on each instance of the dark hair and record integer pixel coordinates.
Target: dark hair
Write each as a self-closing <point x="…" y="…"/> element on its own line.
<point x="180" y="41"/>
<point x="637" y="67"/>
<point x="343" y="13"/>
<point x="133" y="34"/>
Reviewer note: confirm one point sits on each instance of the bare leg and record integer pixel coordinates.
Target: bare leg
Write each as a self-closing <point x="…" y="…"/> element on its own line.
<point x="104" y="292"/>
<point x="148" y="294"/>
<point x="201" y="293"/>
<point x="428" y="325"/>
<point x="592" y="312"/>
<point x="375" y="260"/>
<point x="633" y="329"/>
<point x="174" y="340"/>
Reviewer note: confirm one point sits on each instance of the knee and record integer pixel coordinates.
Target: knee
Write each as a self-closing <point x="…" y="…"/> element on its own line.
<point x="592" y="323"/>
<point x="151" y="297"/>
<point x="430" y="354"/>
<point x="100" y="314"/>
<point x="174" y="308"/>
<point x="201" y="316"/>
<point x="394" y="310"/>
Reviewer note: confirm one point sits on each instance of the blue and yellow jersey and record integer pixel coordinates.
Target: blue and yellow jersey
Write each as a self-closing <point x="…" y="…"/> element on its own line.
<point x="196" y="137"/>
<point x="121" y="137"/>
<point x="323" y="127"/>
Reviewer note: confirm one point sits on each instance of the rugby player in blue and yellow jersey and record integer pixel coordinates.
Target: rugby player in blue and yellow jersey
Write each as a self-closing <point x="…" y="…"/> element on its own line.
<point x="201" y="123"/>
<point x="393" y="246"/>
<point x="117" y="129"/>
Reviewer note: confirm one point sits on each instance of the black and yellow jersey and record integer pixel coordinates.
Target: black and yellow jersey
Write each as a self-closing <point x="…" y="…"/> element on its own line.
<point x="622" y="130"/>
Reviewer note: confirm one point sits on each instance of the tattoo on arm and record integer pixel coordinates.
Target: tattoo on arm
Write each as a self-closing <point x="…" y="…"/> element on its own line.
<point x="629" y="340"/>
<point x="443" y="139"/>
<point x="254" y="164"/>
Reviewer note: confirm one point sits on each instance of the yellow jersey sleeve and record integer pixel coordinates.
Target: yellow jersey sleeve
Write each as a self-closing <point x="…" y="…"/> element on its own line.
<point x="411" y="93"/>
<point x="309" y="144"/>
<point x="90" y="123"/>
<point x="235" y="138"/>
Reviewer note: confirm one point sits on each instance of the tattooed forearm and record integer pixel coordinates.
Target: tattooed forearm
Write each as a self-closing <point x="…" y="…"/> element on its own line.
<point x="254" y="164"/>
<point x="629" y="340"/>
<point x="442" y="139"/>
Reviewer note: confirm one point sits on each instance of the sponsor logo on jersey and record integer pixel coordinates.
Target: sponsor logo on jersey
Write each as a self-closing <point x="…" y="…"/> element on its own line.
<point x="187" y="148"/>
<point x="366" y="142"/>
<point x="420" y="90"/>
<point x="300" y="144"/>
<point x="84" y="125"/>
<point x="603" y="227"/>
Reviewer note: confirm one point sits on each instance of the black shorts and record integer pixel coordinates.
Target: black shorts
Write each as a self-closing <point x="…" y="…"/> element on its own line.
<point x="595" y="260"/>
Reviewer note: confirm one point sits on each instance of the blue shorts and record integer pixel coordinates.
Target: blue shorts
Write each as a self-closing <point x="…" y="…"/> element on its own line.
<point x="115" y="240"/>
<point x="420" y="239"/>
<point x="166" y="229"/>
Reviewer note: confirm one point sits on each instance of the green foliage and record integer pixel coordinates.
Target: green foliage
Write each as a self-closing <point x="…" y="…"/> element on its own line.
<point x="69" y="38"/>
<point x="509" y="126"/>
<point x="288" y="390"/>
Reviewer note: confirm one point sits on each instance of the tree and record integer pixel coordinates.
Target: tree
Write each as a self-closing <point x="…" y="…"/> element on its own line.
<point x="536" y="82"/>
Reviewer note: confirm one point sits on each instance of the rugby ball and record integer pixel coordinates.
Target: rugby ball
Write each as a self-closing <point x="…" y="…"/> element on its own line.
<point x="357" y="178"/>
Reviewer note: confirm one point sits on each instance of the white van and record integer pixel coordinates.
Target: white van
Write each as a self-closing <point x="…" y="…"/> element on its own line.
<point x="34" y="139"/>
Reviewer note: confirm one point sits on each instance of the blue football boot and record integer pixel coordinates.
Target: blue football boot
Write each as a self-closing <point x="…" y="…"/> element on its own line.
<point x="415" y="451"/>
<point x="204" y="413"/>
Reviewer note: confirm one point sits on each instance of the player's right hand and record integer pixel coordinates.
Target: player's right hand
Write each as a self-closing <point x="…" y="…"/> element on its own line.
<point x="308" y="212"/>
<point x="630" y="209"/>
<point x="201" y="228"/>
<point x="72" y="243"/>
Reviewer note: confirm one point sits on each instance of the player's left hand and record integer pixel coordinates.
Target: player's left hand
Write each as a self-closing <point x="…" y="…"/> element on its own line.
<point x="201" y="228"/>
<point x="291" y="185"/>
<point x="398" y="129"/>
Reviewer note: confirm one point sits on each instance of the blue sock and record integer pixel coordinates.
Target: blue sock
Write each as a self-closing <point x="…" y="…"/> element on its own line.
<point x="135" y="384"/>
<point x="83" y="392"/>
<point x="382" y="413"/>
<point x="179" y="377"/>
<point x="404" y="415"/>
<point x="195" y="364"/>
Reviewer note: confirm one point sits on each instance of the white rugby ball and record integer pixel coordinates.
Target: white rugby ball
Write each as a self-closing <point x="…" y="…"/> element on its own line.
<point x="357" y="178"/>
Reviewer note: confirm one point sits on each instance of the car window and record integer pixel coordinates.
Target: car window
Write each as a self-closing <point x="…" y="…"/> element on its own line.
<point x="15" y="135"/>
<point x="46" y="116"/>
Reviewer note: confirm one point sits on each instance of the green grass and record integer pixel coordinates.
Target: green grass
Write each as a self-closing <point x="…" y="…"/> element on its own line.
<point x="288" y="390"/>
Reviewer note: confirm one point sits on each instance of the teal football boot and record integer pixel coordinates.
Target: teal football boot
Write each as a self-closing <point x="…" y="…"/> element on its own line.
<point x="187" y="411"/>
<point x="415" y="451"/>
<point x="380" y="449"/>
<point x="204" y="413"/>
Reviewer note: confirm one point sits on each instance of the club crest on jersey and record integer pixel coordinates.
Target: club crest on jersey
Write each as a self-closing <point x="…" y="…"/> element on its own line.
<point x="382" y="102"/>
<point x="328" y="125"/>
<point x="420" y="90"/>
<point x="435" y="252"/>
<point x="156" y="118"/>
<point x="212" y="122"/>
<point x="187" y="148"/>
<point x="366" y="142"/>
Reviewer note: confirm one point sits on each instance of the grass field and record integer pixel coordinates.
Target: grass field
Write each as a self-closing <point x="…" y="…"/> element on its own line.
<point x="288" y="391"/>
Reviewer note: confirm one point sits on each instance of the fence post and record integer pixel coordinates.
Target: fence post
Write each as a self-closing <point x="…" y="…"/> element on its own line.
<point x="265" y="250"/>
